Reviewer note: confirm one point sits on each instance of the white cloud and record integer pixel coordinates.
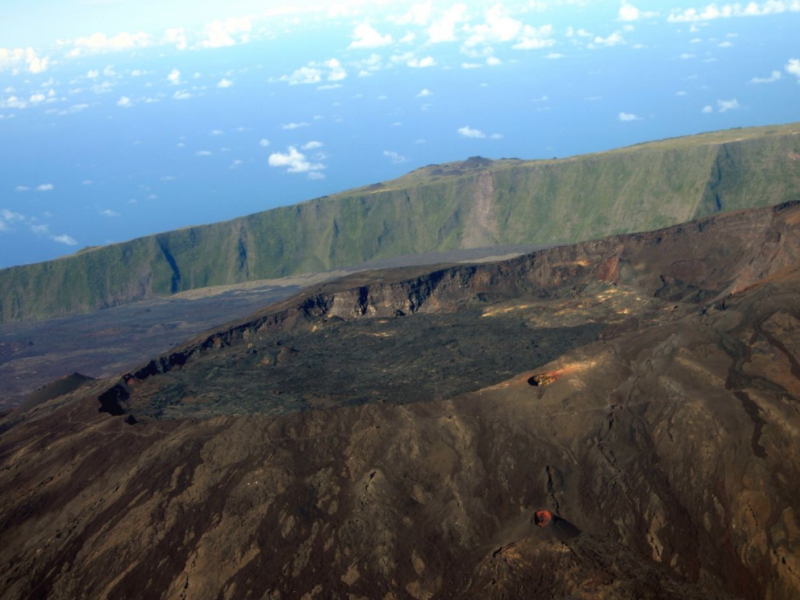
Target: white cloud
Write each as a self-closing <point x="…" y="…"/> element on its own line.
<point x="94" y="74"/>
<point x="204" y="153"/>
<point x="294" y="161"/>
<point x="468" y="65"/>
<point x="366" y="36"/>
<point x="216" y="132"/>
<point x="10" y="216"/>
<point x="304" y="75"/>
<point x="291" y="126"/>
<point x="708" y="109"/>
<point x="64" y="239"/>
<point x="627" y="117"/>
<point x="493" y="61"/>
<point x="571" y="32"/>
<point x="110" y="213"/>
<point x="35" y="63"/>
<point x="312" y="145"/>
<point x="314" y="175"/>
<point x="499" y="27"/>
<point x="468" y="132"/>
<point x="421" y="63"/>
<point x="425" y="93"/>
<point x="615" y="39"/>
<point x="224" y="83"/>
<point x="18" y="60"/>
<point x="45" y="187"/>
<point x="100" y="42"/>
<point x="497" y="136"/>
<point x="369" y="65"/>
<point x="264" y="143"/>
<point x="396" y="157"/>
<point x="628" y="12"/>
<point x="336" y="71"/>
<point x="314" y="72"/>
<point x="773" y="77"/>
<point x="21" y="188"/>
<point x="181" y="95"/>
<point x="726" y="105"/>
<point x="37" y="98"/>
<point x="418" y="14"/>
<point x="124" y="102"/>
<point x="177" y="37"/>
<point x="443" y="29"/>
<point x="229" y="32"/>
<point x="174" y="77"/>
<point x="727" y="11"/>
<point x="535" y="38"/>
<point x="13" y="102"/>
<point x="793" y="68"/>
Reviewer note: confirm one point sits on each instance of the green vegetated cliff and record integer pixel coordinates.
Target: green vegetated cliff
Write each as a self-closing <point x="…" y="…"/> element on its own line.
<point x="469" y="204"/>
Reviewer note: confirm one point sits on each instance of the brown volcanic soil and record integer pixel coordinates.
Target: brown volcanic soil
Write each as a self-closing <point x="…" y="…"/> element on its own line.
<point x="380" y="437"/>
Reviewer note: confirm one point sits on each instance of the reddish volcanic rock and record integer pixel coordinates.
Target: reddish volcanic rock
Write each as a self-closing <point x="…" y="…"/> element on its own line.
<point x="543" y="518"/>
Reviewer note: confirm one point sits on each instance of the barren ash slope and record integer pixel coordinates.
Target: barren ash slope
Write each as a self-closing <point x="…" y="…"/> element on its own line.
<point x="393" y="435"/>
<point x="440" y="208"/>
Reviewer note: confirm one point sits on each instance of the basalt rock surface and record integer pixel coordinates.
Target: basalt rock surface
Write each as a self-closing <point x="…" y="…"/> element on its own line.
<point x="613" y="419"/>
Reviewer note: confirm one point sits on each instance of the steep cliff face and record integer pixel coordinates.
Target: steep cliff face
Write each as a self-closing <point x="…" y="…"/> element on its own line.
<point x="613" y="419"/>
<point x="437" y="208"/>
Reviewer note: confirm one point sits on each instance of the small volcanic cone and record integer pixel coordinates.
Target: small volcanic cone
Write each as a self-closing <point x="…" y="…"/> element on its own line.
<point x="543" y="518"/>
<point x="557" y="526"/>
<point x="543" y="379"/>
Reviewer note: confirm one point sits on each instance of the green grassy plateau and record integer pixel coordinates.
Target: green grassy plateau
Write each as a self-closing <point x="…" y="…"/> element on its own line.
<point x="446" y="207"/>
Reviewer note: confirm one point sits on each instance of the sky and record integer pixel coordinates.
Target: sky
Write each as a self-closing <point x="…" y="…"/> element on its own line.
<point x="122" y="118"/>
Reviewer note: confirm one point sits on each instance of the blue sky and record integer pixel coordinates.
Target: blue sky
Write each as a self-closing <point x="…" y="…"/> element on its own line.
<point x="120" y="118"/>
